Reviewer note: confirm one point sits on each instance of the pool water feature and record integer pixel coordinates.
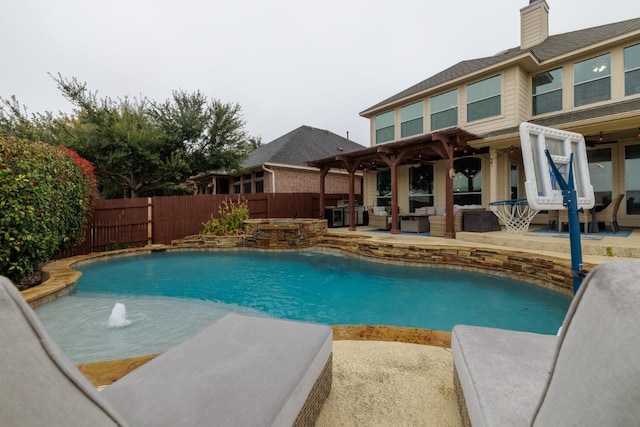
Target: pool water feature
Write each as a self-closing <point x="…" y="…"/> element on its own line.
<point x="171" y="296"/>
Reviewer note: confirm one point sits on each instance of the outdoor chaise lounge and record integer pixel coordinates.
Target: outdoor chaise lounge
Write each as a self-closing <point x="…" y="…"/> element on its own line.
<point x="589" y="375"/>
<point x="240" y="371"/>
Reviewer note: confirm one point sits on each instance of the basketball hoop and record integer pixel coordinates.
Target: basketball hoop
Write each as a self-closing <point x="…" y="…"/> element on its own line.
<point x="516" y="214"/>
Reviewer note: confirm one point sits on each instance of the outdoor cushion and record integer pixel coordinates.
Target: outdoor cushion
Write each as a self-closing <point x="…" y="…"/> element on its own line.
<point x="588" y="376"/>
<point x="595" y="379"/>
<point x="502" y="373"/>
<point x="240" y="371"/>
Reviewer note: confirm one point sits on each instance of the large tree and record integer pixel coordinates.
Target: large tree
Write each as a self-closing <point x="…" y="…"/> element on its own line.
<point x="211" y="133"/>
<point x="130" y="152"/>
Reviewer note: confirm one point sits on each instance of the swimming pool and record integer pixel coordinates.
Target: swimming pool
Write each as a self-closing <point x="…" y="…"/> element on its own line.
<point x="170" y="296"/>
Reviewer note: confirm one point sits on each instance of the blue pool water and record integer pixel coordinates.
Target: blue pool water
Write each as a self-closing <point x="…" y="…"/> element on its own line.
<point x="177" y="289"/>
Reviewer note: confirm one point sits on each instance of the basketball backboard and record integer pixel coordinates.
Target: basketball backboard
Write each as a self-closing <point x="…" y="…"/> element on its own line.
<point x="543" y="190"/>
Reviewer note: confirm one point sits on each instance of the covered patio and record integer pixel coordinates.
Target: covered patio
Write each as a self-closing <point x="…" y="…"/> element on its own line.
<point x="445" y="145"/>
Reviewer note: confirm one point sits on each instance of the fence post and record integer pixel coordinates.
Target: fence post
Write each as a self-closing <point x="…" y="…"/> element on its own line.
<point x="149" y="221"/>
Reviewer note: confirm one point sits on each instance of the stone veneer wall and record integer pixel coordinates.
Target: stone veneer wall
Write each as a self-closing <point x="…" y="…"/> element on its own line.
<point x="265" y="234"/>
<point x="548" y="272"/>
<point x="282" y="234"/>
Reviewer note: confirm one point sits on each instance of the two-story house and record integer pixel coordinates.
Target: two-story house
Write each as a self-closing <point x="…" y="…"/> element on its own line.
<point x="453" y="138"/>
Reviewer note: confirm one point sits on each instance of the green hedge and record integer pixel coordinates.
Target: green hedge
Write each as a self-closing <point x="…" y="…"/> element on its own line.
<point x="46" y="195"/>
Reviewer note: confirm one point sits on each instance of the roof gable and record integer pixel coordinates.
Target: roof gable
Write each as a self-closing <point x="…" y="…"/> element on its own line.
<point x="300" y="146"/>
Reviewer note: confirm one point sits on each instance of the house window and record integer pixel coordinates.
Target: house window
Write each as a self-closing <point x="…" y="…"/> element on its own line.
<point x="236" y="184"/>
<point x="383" y="188"/>
<point x="444" y="110"/>
<point x="385" y="128"/>
<point x="483" y="99"/>
<point x="632" y="178"/>
<point x="411" y="118"/>
<point x="246" y="183"/>
<point x="259" y="182"/>
<point x="592" y="80"/>
<point x="601" y="174"/>
<point x="420" y="187"/>
<point x="632" y="70"/>
<point x="547" y="91"/>
<point x="467" y="183"/>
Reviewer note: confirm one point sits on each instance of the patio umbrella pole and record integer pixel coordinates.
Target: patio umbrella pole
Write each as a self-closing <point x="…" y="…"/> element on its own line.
<point x="570" y="200"/>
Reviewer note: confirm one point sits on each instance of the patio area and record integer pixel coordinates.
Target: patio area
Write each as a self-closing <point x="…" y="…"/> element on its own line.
<point x="597" y="248"/>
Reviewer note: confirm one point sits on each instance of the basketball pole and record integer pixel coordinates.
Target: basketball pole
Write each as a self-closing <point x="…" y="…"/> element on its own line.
<point x="570" y="200"/>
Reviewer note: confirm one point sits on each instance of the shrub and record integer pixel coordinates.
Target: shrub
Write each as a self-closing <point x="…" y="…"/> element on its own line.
<point x="232" y="214"/>
<point x="46" y="194"/>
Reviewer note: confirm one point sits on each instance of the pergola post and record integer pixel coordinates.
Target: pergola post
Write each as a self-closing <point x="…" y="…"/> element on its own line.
<point x="394" y="160"/>
<point x="446" y="152"/>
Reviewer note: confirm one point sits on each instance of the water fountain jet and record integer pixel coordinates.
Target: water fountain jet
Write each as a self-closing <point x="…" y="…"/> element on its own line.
<point x="118" y="317"/>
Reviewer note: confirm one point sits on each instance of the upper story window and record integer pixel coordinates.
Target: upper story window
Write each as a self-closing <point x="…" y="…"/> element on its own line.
<point x="411" y="118"/>
<point x="592" y="80"/>
<point x="444" y="110"/>
<point x="385" y="127"/>
<point x="484" y="99"/>
<point x="632" y="70"/>
<point x="547" y="91"/>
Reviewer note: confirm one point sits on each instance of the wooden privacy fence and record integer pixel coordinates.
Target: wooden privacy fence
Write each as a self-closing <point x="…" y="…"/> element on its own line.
<point x="123" y="223"/>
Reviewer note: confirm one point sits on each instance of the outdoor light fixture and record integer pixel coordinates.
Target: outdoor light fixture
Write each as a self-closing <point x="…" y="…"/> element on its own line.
<point x="600" y="139"/>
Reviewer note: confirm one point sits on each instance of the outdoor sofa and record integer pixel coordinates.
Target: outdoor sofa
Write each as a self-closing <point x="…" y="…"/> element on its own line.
<point x="588" y="375"/>
<point x="239" y="371"/>
<point x="437" y="222"/>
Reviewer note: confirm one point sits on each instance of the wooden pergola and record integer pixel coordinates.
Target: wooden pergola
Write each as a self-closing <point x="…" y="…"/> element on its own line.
<point x="445" y="144"/>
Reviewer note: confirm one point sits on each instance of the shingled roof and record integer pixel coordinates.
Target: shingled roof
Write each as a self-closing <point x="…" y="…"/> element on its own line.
<point x="300" y="146"/>
<point x="552" y="47"/>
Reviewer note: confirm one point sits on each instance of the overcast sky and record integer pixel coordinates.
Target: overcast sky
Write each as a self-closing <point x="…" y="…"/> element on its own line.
<point x="287" y="63"/>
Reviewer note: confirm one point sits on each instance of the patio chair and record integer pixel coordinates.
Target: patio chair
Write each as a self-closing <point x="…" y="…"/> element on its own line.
<point x="609" y="215"/>
<point x="588" y="375"/>
<point x="584" y="217"/>
<point x="239" y="371"/>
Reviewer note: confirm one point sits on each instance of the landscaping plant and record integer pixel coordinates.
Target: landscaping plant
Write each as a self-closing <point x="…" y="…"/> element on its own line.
<point x="46" y="195"/>
<point x="232" y="214"/>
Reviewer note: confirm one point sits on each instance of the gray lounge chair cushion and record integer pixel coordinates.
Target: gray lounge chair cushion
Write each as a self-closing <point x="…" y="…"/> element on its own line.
<point x="502" y="373"/>
<point x="590" y="378"/>
<point x="596" y="374"/>
<point x="240" y="371"/>
<point x="39" y="384"/>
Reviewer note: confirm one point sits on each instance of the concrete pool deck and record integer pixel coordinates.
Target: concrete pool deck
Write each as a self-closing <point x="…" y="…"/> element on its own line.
<point x="383" y="375"/>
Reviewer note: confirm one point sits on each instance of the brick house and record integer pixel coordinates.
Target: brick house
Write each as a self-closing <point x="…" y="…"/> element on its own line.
<point x="281" y="167"/>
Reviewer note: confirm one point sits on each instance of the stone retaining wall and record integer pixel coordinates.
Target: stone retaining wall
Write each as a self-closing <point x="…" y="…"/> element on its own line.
<point x="548" y="272"/>
<point x="265" y="234"/>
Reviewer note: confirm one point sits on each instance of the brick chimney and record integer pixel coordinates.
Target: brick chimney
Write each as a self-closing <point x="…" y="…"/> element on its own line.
<point x="534" y="23"/>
